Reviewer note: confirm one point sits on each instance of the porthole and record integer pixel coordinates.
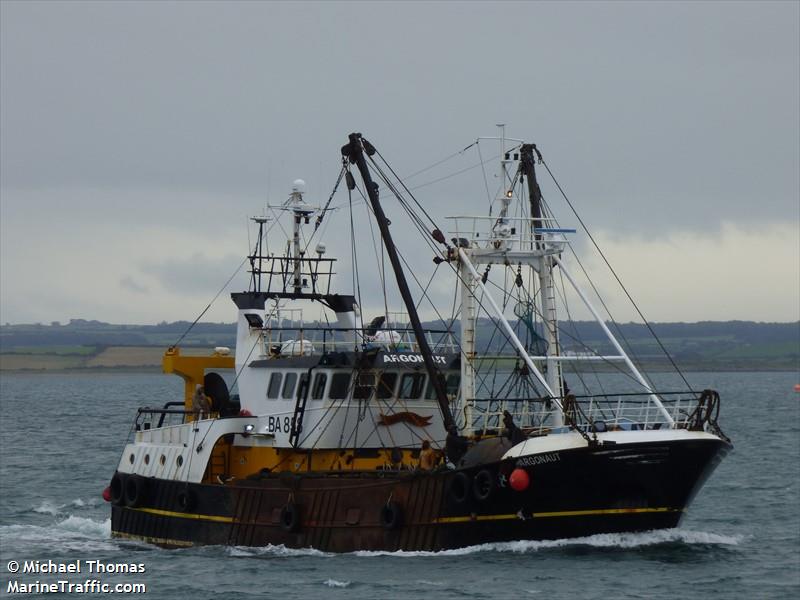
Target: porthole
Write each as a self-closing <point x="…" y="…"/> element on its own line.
<point x="131" y="458"/>
<point x="147" y="459"/>
<point x="179" y="461"/>
<point x="162" y="460"/>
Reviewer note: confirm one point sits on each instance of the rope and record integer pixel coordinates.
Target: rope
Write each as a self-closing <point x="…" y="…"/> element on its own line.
<point x="546" y="212"/>
<point x="436" y="164"/>
<point x="485" y="181"/>
<point x="614" y="273"/>
<point x="205" y="310"/>
<point x="354" y="255"/>
<point x="328" y="203"/>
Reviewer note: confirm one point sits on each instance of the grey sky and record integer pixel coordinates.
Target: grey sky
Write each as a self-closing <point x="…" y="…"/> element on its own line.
<point x="136" y="137"/>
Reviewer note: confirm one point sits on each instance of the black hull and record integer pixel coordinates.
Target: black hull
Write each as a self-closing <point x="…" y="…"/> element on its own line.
<point x="572" y="493"/>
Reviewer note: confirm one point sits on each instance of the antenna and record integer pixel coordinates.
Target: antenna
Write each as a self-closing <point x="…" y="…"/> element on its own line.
<point x="257" y="258"/>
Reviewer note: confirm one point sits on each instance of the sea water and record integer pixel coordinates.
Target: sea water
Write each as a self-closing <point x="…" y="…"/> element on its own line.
<point x="61" y="437"/>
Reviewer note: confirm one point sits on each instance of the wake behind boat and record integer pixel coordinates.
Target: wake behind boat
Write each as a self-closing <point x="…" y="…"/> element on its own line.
<point x="385" y="434"/>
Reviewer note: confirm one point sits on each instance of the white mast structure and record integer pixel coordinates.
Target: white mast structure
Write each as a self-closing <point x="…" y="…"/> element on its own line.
<point x="292" y="268"/>
<point x="301" y="212"/>
<point x="514" y="240"/>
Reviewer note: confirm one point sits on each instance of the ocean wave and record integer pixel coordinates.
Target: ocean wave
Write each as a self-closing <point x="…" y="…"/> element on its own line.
<point x="240" y="552"/>
<point x="48" y="507"/>
<point x="603" y="540"/>
<point x="88" y="527"/>
<point x="623" y="541"/>
<point x="333" y="583"/>
<point x="274" y="550"/>
<point x="81" y="503"/>
<point x="72" y="533"/>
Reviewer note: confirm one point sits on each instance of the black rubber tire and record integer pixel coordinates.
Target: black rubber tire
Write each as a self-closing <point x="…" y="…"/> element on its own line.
<point x="135" y="491"/>
<point x="483" y="485"/>
<point x="290" y="517"/>
<point x="391" y="516"/>
<point x="458" y="488"/>
<point x="118" y="489"/>
<point x="187" y="500"/>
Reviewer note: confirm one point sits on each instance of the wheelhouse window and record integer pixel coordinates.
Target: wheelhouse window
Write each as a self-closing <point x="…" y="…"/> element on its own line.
<point x="411" y="386"/>
<point x="288" y="386"/>
<point x="340" y="383"/>
<point x="365" y="383"/>
<point x="386" y="385"/>
<point x="451" y="385"/>
<point x="274" y="387"/>
<point x="302" y="386"/>
<point x="318" y="391"/>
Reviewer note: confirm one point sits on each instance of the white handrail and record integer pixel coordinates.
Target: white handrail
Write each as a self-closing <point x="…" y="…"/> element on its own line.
<point x="614" y="342"/>
<point x="509" y="330"/>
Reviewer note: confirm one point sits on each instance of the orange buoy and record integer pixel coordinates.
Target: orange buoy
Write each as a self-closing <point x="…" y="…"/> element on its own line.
<point x="519" y="480"/>
<point x="107" y="494"/>
<point x="797" y="387"/>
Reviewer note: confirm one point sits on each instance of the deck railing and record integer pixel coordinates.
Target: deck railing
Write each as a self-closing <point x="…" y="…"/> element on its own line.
<point x="635" y="411"/>
<point x="320" y="340"/>
<point x="509" y="233"/>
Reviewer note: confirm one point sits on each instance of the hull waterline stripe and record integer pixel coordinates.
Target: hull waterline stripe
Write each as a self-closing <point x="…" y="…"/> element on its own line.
<point x="565" y="513"/>
<point x="152" y="540"/>
<point x="464" y="519"/>
<point x="180" y="515"/>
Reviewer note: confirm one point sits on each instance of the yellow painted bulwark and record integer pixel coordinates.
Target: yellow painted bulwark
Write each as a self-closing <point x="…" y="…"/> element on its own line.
<point x="192" y="369"/>
<point x="240" y="462"/>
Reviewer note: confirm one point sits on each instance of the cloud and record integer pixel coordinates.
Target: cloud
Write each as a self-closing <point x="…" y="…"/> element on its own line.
<point x="129" y="284"/>
<point x="195" y="275"/>
<point x="738" y="272"/>
<point x="169" y="269"/>
<point x="128" y="174"/>
<point x="111" y="268"/>
<point x="695" y="116"/>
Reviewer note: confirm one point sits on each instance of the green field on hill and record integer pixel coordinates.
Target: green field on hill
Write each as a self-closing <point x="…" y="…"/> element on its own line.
<point x="81" y="344"/>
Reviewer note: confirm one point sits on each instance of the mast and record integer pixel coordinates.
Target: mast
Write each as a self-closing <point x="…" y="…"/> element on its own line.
<point x="545" y="273"/>
<point x="534" y="192"/>
<point x="301" y="213"/>
<point x="354" y="151"/>
<point x="469" y="312"/>
<point x="257" y="258"/>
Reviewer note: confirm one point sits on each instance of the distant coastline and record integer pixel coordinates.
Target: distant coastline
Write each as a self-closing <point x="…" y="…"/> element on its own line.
<point x="93" y="346"/>
<point x="126" y="359"/>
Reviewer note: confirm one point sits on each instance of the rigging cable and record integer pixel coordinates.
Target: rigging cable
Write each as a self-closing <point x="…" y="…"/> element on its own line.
<point x="443" y="178"/>
<point x="333" y="193"/>
<point x="436" y="164"/>
<point x="420" y="226"/>
<point x="574" y="366"/>
<point x="205" y="310"/>
<point x="354" y="255"/>
<point x="485" y="181"/>
<point x="379" y="257"/>
<point x="617" y="327"/>
<point x="581" y="343"/>
<point x="614" y="273"/>
<point x="418" y="223"/>
<point x="425" y="233"/>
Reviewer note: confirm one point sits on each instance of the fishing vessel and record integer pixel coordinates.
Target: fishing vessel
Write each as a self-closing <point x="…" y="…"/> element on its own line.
<point x="357" y="431"/>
